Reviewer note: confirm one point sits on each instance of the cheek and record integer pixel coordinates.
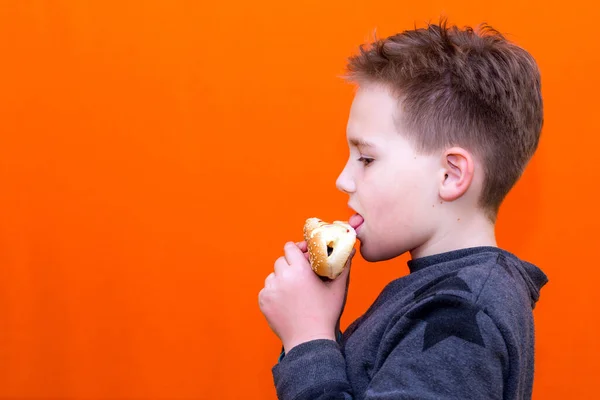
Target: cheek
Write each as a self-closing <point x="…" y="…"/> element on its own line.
<point x="396" y="207"/>
<point x="387" y="208"/>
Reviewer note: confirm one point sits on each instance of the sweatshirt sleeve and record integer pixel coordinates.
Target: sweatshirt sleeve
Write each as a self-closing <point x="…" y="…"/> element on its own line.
<point x="445" y="347"/>
<point x="313" y="370"/>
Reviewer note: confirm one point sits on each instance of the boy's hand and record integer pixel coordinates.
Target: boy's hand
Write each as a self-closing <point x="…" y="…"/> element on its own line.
<point x="297" y="304"/>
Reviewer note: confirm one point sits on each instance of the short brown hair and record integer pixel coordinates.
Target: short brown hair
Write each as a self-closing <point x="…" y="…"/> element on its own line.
<point x="467" y="88"/>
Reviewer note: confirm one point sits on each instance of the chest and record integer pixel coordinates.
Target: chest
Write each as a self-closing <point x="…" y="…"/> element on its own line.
<point x="362" y="340"/>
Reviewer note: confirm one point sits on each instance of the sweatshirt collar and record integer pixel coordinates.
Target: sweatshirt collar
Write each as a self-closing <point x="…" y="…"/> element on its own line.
<point x="417" y="264"/>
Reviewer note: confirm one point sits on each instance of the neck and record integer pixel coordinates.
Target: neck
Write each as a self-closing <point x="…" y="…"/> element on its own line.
<point x="459" y="233"/>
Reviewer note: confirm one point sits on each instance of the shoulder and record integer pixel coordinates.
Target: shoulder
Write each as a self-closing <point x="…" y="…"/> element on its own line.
<point x="466" y="281"/>
<point x="486" y="283"/>
<point x="495" y="281"/>
<point x="494" y="272"/>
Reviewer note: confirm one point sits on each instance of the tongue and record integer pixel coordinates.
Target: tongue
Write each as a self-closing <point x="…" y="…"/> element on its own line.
<point x="355" y="221"/>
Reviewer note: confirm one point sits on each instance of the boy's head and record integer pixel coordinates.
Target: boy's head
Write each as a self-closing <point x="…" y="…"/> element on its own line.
<point x="454" y="117"/>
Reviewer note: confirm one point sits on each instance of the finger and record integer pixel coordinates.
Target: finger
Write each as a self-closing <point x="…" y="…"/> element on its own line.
<point x="261" y="301"/>
<point x="348" y="268"/>
<point x="293" y="254"/>
<point x="280" y="265"/>
<point x="269" y="279"/>
<point x="303" y="246"/>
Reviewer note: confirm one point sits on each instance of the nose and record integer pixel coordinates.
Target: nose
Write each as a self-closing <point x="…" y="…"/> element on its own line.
<point x="345" y="182"/>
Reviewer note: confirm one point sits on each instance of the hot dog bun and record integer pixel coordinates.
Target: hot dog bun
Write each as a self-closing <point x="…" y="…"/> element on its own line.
<point x="329" y="246"/>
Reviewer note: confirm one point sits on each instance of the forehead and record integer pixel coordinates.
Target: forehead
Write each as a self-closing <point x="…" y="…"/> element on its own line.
<point x="373" y="115"/>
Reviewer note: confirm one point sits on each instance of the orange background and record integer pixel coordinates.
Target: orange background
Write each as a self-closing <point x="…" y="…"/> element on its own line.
<point x="156" y="155"/>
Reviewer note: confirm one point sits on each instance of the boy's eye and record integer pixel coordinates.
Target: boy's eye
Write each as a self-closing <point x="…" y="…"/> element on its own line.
<point x="365" y="160"/>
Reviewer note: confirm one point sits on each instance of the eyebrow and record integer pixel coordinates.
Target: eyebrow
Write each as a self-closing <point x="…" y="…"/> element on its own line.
<point x="358" y="142"/>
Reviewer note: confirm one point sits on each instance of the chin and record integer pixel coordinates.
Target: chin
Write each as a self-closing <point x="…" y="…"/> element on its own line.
<point x="371" y="254"/>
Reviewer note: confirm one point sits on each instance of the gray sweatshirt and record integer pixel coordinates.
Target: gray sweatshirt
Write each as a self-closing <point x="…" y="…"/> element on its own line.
<point x="459" y="326"/>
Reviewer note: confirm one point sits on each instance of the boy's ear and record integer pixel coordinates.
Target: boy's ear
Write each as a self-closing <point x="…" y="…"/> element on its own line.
<point x="457" y="173"/>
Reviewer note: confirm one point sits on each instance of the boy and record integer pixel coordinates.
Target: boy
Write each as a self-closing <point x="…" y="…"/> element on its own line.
<point x="442" y="125"/>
